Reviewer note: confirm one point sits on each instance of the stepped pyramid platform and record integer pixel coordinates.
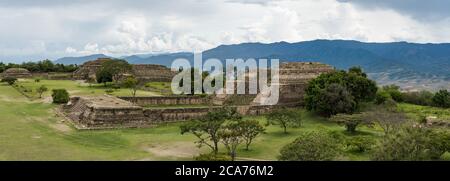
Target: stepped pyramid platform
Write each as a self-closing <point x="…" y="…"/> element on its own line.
<point x="104" y="112"/>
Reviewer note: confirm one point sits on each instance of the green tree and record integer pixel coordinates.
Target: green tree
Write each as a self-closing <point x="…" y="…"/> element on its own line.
<point x="353" y="85"/>
<point x="350" y="121"/>
<point x="132" y="84"/>
<point x="111" y="70"/>
<point x="361" y="88"/>
<point x="394" y="92"/>
<point x="2" y="67"/>
<point x="60" y="96"/>
<point x="424" y="98"/>
<point x="40" y="90"/>
<point x="310" y="146"/>
<point x="231" y="136"/>
<point x="381" y="97"/>
<point x="442" y="99"/>
<point x="207" y="128"/>
<point x="333" y="100"/>
<point x="46" y="66"/>
<point x="284" y="118"/>
<point x="104" y="76"/>
<point x="251" y="129"/>
<point x="385" y="118"/>
<point x="9" y="80"/>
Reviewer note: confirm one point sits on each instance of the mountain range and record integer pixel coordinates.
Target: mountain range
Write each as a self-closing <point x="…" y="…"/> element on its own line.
<point x="410" y="65"/>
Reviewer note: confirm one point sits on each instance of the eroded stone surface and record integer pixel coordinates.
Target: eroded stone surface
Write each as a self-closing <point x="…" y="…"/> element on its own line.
<point x="143" y="72"/>
<point x="16" y="72"/>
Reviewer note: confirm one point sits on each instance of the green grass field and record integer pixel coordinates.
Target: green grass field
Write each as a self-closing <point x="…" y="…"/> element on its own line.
<point x="30" y="130"/>
<point x="416" y="111"/>
<point x="76" y="88"/>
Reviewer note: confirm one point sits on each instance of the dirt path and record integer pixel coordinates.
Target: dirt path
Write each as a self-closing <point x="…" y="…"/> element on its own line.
<point x="177" y="149"/>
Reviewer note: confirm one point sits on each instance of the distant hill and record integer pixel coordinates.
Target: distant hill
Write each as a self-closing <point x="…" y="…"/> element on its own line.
<point x="79" y="60"/>
<point x="161" y="59"/>
<point x="424" y="66"/>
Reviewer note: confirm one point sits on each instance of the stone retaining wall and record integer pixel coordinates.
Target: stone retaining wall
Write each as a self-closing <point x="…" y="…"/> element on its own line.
<point x="167" y="100"/>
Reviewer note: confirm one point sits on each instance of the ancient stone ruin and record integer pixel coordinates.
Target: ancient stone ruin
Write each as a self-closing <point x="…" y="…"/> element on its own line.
<point x="88" y="69"/>
<point x="112" y="112"/>
<point x="143" y="72"/>
<point x="294" y="77"/>
<point x="104" y="112"/>
<point x="16" y="73"/>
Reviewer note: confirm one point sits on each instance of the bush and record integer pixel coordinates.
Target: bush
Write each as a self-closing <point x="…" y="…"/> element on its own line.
<point x="350" y="121"/>
<point x="424" y="98"/>
<point x="310" y="146"/>
<point x="9" y="80"/>
<point x="109" y="91"/>
<point x="394" y="92"/>
<point x="359" y="143"/>
<point x="212" y="157"/>
<point x="381" y="97"/>
<point x="442" y="99"/>
<point x="445" y="156"/>
<point x="413" y="144"/>
<point x="60" y="96"/>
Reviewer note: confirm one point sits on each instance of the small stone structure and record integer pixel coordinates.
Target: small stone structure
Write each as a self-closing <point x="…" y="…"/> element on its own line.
<point x="104" y="112"/>
<point x="143" y="72"/>
<point x="16" y="73"/>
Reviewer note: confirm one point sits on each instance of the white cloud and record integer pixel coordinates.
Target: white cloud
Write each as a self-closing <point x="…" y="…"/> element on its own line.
<point x="71" y="50"/>
<point x="51" y="30"/>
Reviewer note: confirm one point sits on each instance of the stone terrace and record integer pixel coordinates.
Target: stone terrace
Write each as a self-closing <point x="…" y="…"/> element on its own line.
<point x="104" y="112"/>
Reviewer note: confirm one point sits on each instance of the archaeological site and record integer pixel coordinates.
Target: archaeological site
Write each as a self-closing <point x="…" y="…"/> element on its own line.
<point x="119" y="112"/>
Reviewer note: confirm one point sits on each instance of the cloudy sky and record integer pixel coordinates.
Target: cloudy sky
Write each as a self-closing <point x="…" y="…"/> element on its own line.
<point x="38" y="29"/>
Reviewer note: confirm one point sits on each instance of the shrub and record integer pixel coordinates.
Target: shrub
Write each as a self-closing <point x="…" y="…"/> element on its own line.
<point x="212" y="157"/>
<point x="359" y="143"/>
<point x="413" y="144"/>
<point x="9" y="80"/>
<point x="442" y="99"/>
<point x="381" y="97"/>
<point x="394" y="92"/>
<point x="109" y="91"/>
<point x="37" y="80"/>
<point x="424" y="98"/>
<point x="60" y="96"/>
<point x="445" y="156"/>
<point x="310" y="146"/>
<point x="350" y="121"/>
<point x="40" y="90"/>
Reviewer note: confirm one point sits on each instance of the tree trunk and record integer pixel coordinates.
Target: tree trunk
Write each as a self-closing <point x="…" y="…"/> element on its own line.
<point x="216" y="149"/>
<point x="233" y="155"/>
